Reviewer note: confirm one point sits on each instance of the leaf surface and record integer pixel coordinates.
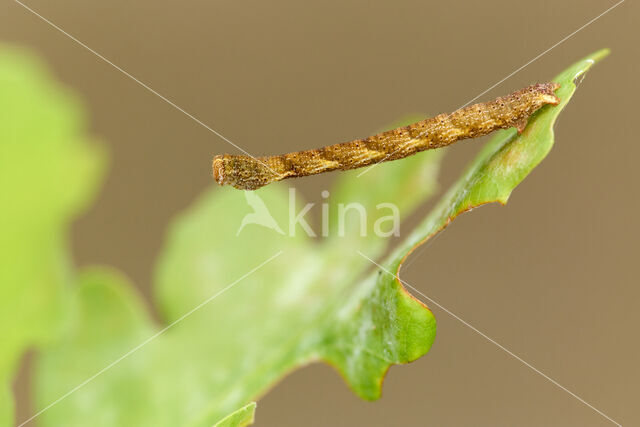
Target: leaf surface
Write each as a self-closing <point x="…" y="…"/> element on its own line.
<point x="240" y="418"/>
<point x="49" y="171"/>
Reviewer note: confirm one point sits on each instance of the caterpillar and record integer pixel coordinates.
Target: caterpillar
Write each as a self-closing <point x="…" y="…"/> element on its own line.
<point x="513" y="110"/>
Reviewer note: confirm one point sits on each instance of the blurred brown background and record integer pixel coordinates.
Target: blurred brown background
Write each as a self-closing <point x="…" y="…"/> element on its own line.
<point x="552" y="276"/>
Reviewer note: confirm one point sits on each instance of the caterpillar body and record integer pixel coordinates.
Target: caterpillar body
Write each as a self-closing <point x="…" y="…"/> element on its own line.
<point x="513" y="110"/>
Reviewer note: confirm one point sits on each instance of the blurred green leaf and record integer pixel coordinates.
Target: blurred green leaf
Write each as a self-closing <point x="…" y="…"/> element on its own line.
<point x="109" y="319"/>
<point x="255" y="327"/>
<point x="244" y="308"/>
<point x="6" y="405"/>
<point x="240" y="418"/>
<point x="48" y="173"/>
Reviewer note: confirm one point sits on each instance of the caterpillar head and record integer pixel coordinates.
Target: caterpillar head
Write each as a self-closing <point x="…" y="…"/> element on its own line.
<point x="242" y="172"/>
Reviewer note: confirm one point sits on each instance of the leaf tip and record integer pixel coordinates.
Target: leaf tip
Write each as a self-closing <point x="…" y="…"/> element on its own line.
<point x="600" y="54"/>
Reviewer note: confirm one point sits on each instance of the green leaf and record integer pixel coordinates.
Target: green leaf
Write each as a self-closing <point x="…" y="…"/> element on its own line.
<point x="244" y="308"/>
<point x="6" y="405"/>
<point x="48" y="173"/>
<point x="109" y="320"/>
<point x="240" y="418"/>
<point x="219" y="356"/>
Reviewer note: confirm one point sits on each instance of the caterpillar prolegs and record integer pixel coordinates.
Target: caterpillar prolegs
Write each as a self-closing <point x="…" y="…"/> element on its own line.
<point x="250" y="173"/>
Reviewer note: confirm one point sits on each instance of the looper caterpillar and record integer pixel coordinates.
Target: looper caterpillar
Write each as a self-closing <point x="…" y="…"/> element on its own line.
<point x="248" y="173"/>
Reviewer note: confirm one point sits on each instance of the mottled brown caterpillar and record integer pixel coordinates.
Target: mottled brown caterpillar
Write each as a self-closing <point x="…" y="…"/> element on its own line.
<point x="249" y="173"/>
